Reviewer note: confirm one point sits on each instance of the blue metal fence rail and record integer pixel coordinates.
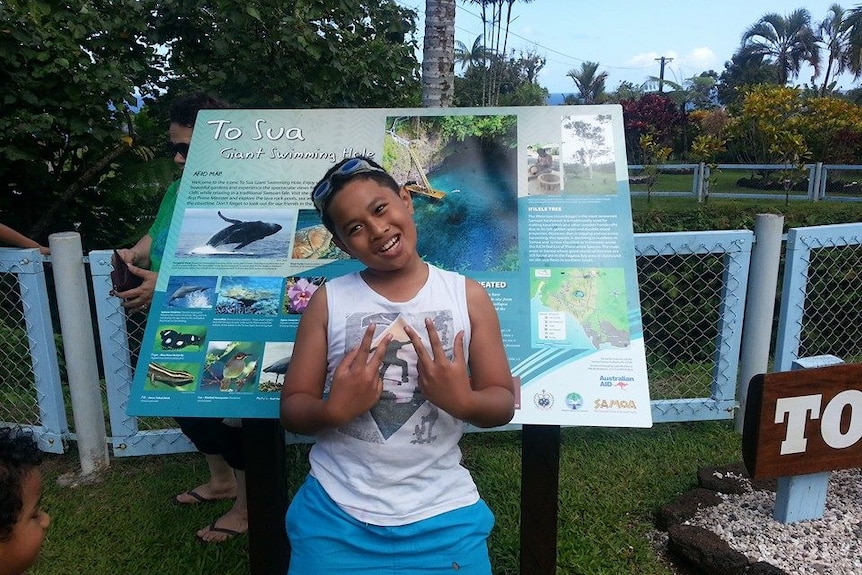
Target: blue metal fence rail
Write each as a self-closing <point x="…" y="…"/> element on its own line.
<point x="48" y="416"/>
<point x="722" y="258"/>
<point x="803" y="308"/>
<point x="128" y="437"/>
<point x="733" y="248"/>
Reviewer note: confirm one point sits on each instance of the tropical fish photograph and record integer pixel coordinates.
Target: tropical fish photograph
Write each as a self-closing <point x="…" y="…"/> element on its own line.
<point x="180" y="377"/>
<point x="249" y="295"/>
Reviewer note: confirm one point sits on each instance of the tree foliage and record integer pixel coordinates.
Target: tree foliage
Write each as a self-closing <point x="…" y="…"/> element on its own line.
<point x="651" y="114"/>
<point x="292" y="53"/>
<point x="786" y="41"/>
<point x="515" y="81"/>
<point x="589" y="82"/>
<point x="67" y="82"/>
<point x="779" y="124"/>
<point x="74" y="151"/>
<point x="739" y="73"/>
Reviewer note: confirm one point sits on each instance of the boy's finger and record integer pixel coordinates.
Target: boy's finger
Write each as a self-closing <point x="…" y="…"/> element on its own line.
<point x="434" y="338"/>
<point x="416" y="340"/>
<point x="349" y="358"/>
<point x="380" y="352"/>
<point x="364" y="349"/>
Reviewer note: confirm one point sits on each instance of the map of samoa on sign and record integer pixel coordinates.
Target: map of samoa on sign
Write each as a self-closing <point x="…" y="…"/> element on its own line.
<point x="583" y="308"/>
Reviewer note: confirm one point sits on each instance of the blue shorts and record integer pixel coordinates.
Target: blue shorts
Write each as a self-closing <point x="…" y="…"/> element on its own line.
<point x="326" y="540"/>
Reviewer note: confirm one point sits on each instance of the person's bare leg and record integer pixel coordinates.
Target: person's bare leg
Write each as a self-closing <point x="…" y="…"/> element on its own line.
<point x="232" y="523"/>
<point x="222" y="483"/>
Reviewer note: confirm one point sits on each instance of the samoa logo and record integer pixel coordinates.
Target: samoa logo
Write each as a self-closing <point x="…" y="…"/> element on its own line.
<point x="543" y="400"/>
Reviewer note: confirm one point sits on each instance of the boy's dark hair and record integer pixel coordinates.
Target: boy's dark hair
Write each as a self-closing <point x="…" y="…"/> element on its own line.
<point x="382" y="177"/>
<point x="19" y="454"/>
<point x="184" y="110"/>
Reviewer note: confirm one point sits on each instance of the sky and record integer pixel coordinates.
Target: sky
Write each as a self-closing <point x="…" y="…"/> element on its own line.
<point x="626" y="37"/>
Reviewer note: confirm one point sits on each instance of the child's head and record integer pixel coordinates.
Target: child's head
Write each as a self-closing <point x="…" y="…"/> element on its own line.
<point x="340" y="175"/>
<point x="22" y="521"/>
<point x="369" y="215"/>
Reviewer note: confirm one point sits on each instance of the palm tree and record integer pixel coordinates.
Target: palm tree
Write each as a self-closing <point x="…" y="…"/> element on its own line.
<point x="834" y="36"/>
<point x="786" y="41"/>
<point x="494" y="33"/>
<point x="852" y="25"/>
<point x="591" y="86"/>
<point x="438" y="54"/>
<point x="474" y="56"/>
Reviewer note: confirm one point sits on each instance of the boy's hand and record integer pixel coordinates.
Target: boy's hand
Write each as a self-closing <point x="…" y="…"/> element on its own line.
<point x="356" y="383"/>
<point x="443" y="382"/>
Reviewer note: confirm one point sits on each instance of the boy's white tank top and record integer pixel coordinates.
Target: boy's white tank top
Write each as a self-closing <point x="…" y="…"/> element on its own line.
<point x="399" y="462"/>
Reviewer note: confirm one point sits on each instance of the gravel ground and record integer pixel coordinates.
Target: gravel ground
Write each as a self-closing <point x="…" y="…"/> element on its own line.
<point x="830" y="545"/>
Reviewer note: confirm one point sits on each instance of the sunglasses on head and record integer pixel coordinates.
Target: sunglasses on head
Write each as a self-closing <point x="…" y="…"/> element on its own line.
<point x="349" y="168"/>
<point x="182" y="149"/>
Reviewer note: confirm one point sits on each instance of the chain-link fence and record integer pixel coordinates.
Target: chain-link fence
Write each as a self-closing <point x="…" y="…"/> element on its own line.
<point x="30" y="393"/>
<point x="18" y="394"/>
<point x="821" y="308"/>
<point x="692" y="293"/>
<point x="120" y="335"/>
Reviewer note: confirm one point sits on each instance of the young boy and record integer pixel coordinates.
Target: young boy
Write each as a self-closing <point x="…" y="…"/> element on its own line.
<point x="411" y="352"/>
<point x="22" y="521"/>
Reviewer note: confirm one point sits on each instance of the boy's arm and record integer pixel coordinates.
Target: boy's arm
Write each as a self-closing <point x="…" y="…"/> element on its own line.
<point x="356" y="383"/>
<point x="484" y="396"/>
<point x="490" y="375"/>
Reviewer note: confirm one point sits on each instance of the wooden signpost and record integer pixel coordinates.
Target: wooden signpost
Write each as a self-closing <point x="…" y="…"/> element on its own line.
<point x="799" y="426"/>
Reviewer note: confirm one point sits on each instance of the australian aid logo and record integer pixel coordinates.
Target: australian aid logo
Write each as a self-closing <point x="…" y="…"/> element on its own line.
<point x="621" y="382"/>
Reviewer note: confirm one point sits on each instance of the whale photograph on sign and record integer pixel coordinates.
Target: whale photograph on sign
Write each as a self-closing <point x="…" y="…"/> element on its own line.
<point x="235" y="233"/>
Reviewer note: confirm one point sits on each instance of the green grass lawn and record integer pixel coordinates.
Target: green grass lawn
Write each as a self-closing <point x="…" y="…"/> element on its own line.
<point x="611" y="481"/>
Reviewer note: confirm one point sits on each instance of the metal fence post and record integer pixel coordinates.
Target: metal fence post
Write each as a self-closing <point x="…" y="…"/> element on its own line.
<point x="759" y="305"/>
<point x="80" y="350"/>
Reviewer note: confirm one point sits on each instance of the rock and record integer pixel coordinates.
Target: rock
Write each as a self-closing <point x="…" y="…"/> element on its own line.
<point x="705" y="550"/>
<point x="732" y="478"/>
<point x="684" y="507"/>
<point x="725" y="479"/>
<point x="763" y="568"/>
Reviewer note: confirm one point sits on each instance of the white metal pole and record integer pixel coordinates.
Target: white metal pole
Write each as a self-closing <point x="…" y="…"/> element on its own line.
<point x="759" y="305"/>
<point x="79" y="349"/>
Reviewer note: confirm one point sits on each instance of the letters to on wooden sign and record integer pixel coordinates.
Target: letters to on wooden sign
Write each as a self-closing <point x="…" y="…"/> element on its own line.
<point x="803" y="421"/>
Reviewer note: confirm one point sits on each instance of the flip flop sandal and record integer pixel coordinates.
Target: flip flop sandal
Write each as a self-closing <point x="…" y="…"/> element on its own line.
<point x="213" y="528"/>
<point x="194" y="495"/>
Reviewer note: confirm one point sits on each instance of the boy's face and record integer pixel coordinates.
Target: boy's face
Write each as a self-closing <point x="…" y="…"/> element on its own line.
<point x="19" y="552"/>
<point x="374" y="224"/>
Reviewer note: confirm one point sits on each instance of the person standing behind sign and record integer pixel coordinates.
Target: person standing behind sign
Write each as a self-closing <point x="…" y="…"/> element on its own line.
<point x="218" y="439"/>
<point x="387" y="492"/>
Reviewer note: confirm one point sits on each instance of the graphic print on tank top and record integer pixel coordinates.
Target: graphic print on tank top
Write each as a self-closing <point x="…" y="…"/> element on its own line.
<point x="401" y="398"/>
